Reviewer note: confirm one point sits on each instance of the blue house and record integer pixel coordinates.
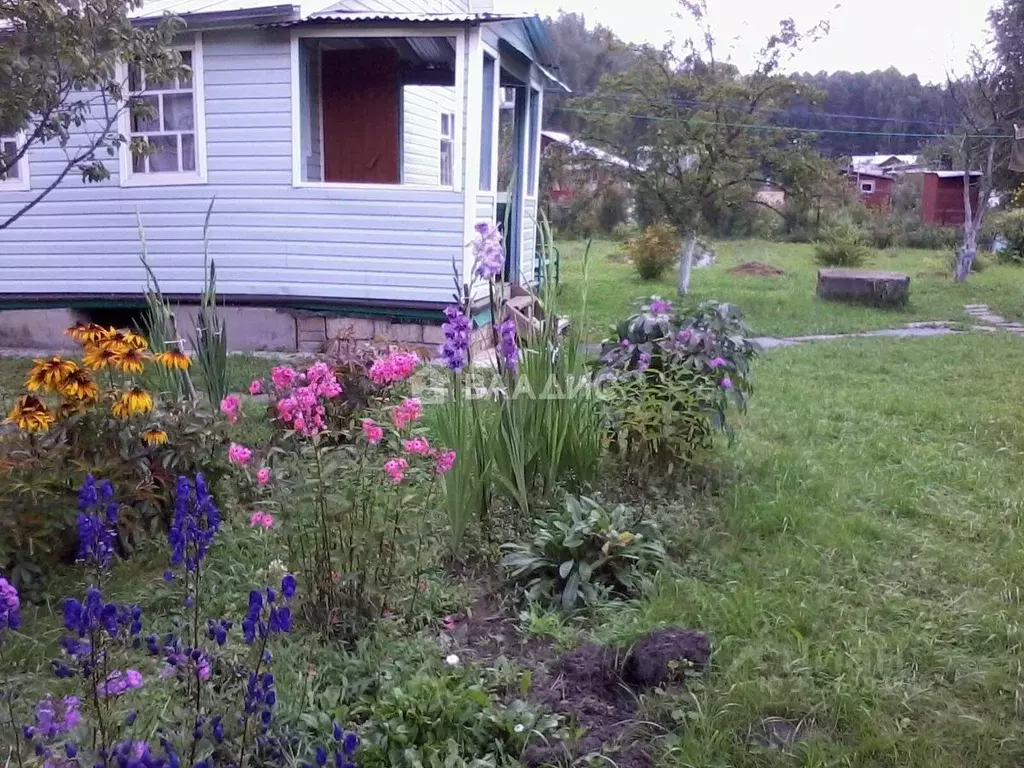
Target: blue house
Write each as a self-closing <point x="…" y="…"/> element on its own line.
<point x="348" y="149"/>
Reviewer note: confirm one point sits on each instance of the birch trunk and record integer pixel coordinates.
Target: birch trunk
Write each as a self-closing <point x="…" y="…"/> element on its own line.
<point x="686" y="264"/>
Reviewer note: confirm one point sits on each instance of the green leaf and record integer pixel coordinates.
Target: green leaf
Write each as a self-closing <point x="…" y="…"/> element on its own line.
<point x="565" y="568"/>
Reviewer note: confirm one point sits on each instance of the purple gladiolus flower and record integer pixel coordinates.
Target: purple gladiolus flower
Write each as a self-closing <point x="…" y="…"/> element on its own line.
<point x="10" y="607"/>
<point x="457" y="330"/>
<point x="507" y="346"/>
<point x="490" y="256"/>
<point x="725" y="383"/>
<point x="119" y="682"/>
<point x="55" y="717"/>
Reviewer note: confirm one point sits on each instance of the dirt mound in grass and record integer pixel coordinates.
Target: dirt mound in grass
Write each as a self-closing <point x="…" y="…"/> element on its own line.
<point x="596" y="687"/>
<point x="756" y="269"/>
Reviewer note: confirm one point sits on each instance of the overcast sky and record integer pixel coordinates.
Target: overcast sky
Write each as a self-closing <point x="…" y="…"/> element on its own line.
<point x="922" y="36"/>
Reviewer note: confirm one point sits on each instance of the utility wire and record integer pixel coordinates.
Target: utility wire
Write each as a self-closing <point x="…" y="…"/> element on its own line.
<point x="759" y="127"/>
<point x="782" y="110"/>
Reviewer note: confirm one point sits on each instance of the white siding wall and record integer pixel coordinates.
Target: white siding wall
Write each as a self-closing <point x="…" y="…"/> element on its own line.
<point x="268" y="238"/>
<point x="422" y="106"/>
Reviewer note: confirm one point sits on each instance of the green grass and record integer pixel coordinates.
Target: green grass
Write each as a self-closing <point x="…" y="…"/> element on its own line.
<point x="862" y="569"/>
<point x="787" y="305"/>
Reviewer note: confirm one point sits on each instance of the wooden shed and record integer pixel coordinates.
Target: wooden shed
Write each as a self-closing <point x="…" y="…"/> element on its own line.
<point x="942" y="197"/>
<point x="873" y="188"/>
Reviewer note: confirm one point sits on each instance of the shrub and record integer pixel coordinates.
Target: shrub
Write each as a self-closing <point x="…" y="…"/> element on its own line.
<point x="446" y="721"/>
<point x="841" y="246"/>
<point x="612" y="209"/>
<point x="654" y="251"/>
<point x="669" y="379"/>
<point x="585" y="552"/>
<point x="1008" y="226"/>
<point x="918" y="235"/>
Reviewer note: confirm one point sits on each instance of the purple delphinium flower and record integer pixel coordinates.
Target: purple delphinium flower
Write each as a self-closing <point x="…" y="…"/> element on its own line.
<point x="118" y="682"/>
<point x="507" y="346"/>
<point x="725" y="383"/>
<point x="455" y="350"/>
<point x="490" y="256"/>
<point x="265" y="616"/>
<point x="55" y="717"/>
<point x="10" y="607"/>
<point x="196" y="522"/>
<point x="660" y="306"/>
<point x="96" y="532"/>
<point x="717" y="362"/>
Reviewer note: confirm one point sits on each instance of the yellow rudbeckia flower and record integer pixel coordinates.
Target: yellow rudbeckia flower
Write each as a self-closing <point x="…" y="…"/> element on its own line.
<point x="154" y="437"/>
<point x="173" y="358"/>
<point x="129" y="359"/>
<point x="79" y="386"/>
<point x="132" y="402"/>
<point x="31" y="415"/>
<point x="48" y="375"/>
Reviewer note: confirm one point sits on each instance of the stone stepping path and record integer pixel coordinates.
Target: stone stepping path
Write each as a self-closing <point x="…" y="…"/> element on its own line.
<point x="982" y="314"/>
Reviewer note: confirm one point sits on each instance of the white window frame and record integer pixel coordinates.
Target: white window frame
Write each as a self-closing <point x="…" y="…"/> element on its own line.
<point x="447" y="139"/>
<point x="23" y="182"/>
<point x="128" y="178"/>
<point x="456" y="33"/>
<point x="867" y="187"/>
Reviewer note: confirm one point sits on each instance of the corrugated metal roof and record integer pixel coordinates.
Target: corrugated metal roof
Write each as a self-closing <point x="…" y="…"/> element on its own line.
<point x="954" y="174"/>
<point x="418" y="18"/>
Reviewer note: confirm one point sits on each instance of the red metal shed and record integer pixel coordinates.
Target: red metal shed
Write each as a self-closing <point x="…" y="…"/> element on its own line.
<point x="873" y="188"/>
<point x="942" y="197"/>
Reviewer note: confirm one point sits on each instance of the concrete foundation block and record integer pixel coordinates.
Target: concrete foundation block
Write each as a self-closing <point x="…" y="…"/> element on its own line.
<point x="879" y="289"/>
<point x="351" y="328"/>
<point x="37" y="328"/>
<point x="408" y="333"/>
<point x="432" y="334"/>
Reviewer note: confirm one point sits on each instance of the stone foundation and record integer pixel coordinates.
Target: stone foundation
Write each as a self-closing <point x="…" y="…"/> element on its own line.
<point x="250" y="329"/>
<point x="877" y="289"/>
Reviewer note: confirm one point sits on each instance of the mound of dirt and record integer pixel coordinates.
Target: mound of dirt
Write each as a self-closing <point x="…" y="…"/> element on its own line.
<point x="756" y="269"/>
<point x="596" y="687"/>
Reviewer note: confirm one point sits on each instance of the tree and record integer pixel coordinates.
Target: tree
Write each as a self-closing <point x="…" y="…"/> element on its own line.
<point x="699" y="135"/>
<point x="61" y="81"/>
<point x="987" y="103"/>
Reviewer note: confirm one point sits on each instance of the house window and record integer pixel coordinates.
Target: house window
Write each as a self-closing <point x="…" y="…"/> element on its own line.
<point x="867" y="187"/>
<point x="166" y="118"/>
<point x="447" y="149"/>
<point x="13" y="174"/>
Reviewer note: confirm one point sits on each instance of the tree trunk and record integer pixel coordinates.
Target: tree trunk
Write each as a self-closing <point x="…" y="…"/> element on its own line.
<point x="966" y="253"/>
<point x="686" y="264"/>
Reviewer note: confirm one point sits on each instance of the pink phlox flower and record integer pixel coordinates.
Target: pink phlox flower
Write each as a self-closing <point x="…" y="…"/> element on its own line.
<point x="283" y="376"/>
<point x="239" y="454"/>
<point x="717" y="362"/>
<point x="230" y="406"/>
<point x="409" y="410"/>
<point x="449" y="623"/>
<point x="395" y="469"/>
<point x="725" y="383"/>
<point x="322" y="381"/>
<point x="256" y="387"/>
<point x="263" y="476"/>
<point x="396" y="366"/>
<point x="372" y="431"/>
<point x="445" y="461"/>
<point x="417" y="445"/>
<point x="262" y="520"/>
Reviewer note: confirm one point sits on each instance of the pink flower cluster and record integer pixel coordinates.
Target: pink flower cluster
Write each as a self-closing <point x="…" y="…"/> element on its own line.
<point x="239" y="454"/>
<point x="445" y="461"/>
<point x="372" y="431"/>
<point x="262" y="520"/>
<point x="395" y="469"/>
<point x="418" y="446"/>
<point x="263" y="476"/>
<point x="408" y="411"/>
<point x="302" y="408"/>
<point x="397" y="366"/>
<point x="256" y="387"/>
<point x="230" y="407"/>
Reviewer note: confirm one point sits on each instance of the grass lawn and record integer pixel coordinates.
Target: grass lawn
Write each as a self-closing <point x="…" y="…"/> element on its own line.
<point x="862" y="572"/>
<point x="786" y="305"/>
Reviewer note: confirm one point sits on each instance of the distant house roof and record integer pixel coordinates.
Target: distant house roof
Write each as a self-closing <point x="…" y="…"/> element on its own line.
<point x="882" y="160"/>
<point x="870" y="173"/>
<point x="953" y="174"/>
<point x="580" y="148"/>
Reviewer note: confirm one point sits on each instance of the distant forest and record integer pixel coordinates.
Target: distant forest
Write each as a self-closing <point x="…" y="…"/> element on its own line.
<point x="877" y="102"/>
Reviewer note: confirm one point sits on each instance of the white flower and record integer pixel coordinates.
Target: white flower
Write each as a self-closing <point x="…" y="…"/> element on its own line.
<point x="452" y="660"/>
<point x="519" y="728"/>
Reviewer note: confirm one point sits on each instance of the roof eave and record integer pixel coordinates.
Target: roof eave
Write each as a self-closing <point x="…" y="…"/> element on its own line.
<point x="270" y="14"/>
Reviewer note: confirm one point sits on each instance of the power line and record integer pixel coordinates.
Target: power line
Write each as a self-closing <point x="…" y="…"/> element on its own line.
<point x="759" y="127"/>
<point x="783" y="110"/>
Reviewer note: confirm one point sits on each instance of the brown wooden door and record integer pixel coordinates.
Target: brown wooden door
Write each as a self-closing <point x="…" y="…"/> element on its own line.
<point x="362" y="107"/>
